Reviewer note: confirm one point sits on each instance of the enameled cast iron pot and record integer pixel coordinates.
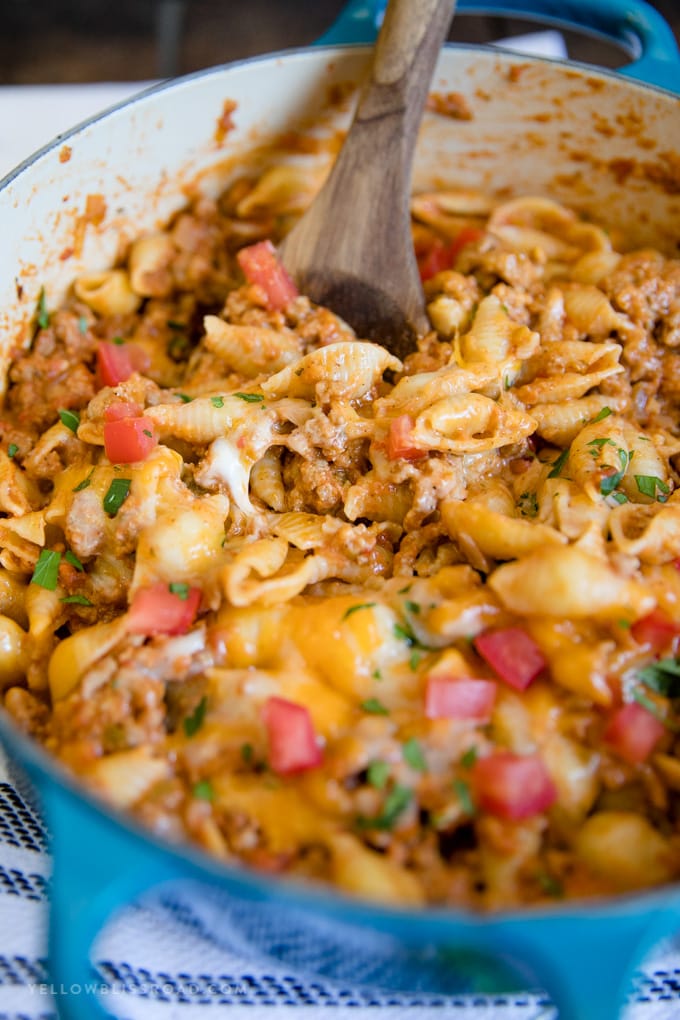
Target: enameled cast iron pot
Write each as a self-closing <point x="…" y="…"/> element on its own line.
<point x="608" y="143"/>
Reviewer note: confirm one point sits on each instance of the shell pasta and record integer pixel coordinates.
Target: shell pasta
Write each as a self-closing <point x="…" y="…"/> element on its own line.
<point x="406" y="627"/>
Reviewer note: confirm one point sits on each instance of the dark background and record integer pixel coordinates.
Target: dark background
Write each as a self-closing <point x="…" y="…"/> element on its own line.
<point x="44" y="41"/>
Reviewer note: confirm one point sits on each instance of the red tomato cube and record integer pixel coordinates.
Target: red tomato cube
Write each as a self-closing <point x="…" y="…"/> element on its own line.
<point x="400" y="443"/>
<point x="512" y="654"/>
<point x="293" y="745"/>
<point x="160" y="610"/>
<point x="459" y="698"/>
<point x="260" y="264"/>
<point x="656" y="630"/>
<point x="122" y="409"/>
<point x="512" y="786"/>
<point x="128" y="440"/>
<point x="632" y="732"/>
<point x="117" y="362"/>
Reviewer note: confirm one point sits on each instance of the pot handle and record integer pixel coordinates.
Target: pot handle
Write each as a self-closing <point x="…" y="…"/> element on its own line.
<point x="633" y="24"/>
<point x="86" y="888"/>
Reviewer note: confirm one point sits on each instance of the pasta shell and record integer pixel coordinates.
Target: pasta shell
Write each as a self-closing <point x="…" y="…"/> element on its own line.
<point x="283" y="188"/>
<point x="73" y="656"/>
<point x="250" y="350"/>
<point x="266" y="481"/>
<point x="414" y="393"/>
<point x="560" y="423"/>
<point x="107" y="293"/>
<point x="342" y="371"/>
<point x="30" y="527"/>
<point x="471" y="424"/>
<point x="497" y="535"/>
<point x="122" y="778"/>
<point x="651" y="533"/>
<point x="14" y="489"/>
<point x="591" y="312"/>
<point x="276" y="580"/>
<point x="565" y="582"/>
<point x="206" y="418"/>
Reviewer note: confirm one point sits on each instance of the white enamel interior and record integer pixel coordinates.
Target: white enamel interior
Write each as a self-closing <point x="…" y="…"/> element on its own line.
<point x="600" y="142"/>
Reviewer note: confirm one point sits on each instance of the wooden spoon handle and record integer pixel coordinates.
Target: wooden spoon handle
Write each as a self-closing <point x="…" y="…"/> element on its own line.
<point x="410" y="39"/>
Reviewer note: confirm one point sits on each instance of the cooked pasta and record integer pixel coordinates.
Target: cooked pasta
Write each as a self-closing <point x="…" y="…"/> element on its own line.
<point x="409" y="628"/>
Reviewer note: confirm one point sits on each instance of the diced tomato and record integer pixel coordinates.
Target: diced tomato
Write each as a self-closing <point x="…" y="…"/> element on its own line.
<point x="261" y="265"/>
<point x="117" y="362"/>
<point x="632" y="732"/>
<point x="442" y="255"/>
<point x="656" y="630"/>
<point x="122" y="409"/>
<point x="512" y="786"/>
<point x="400" y="445"/>
<point x="293" y="746"/>
<point x="459" y="698"/>
<point x="158" y="610"/>
<point x="512" y="654"/>
<point x="127" y="440"/>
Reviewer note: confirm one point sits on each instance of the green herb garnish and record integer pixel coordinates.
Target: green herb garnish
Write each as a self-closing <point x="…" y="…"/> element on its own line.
<point x="85" y="482"/>
<point x="217" y="401"/>
<point x="604" y="413"/>
<point x="619" y="497"/>
<point x="469" y="758"/>
<point x="250" y="398"/>
<point x="117" y="493"/>
<point x="412" y="607"/>
<point x="414" y="659"/>
<point x="46" y="573"/>
<point x="463" y="793"/>
<point x="355" y="609"/>
<point x="550" y="885"/>
<point x="193" y="722"/>
<point x="528" y="504"/>
<point x="558" y="464"/>
<point x="77" y="600"/>
<point x="396" y="802"/>
<point x="649" y="484"/>
<point x="377" y="774"/>
<point x="12" y="450"/>
<point x="653" y="709"/>
<point x="413" y="754"/>
<point x="203" y="790"/>
<point x="42" y="314"/>
<point x="118" y="341"/>
<point x="69" y="418"/>
<point x="82" y="325"/>
<point x="609" y="482"/>
<point x="71" y="558"/>
<point x="247" y="753"/>
<point x="663" y="677"/>
<point x="374" y="707"/>
<point x="185" y="398"/>
<point x="179" y="588"/>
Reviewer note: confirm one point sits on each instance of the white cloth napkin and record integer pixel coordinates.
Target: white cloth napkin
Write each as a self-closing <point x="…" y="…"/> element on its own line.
<point x="186" y="951"/>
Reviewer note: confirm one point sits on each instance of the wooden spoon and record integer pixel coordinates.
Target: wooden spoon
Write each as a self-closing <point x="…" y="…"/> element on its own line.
<point x="352" y="250"/>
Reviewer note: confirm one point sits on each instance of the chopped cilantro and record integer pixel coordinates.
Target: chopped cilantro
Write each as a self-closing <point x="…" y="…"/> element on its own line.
<point x="85" y="482"/>
<point x="604" y="413"/>
<point x="71" y="558"/>
<point x="174" y="324"/>
<point x="414" y="659"/>
<point x="179" y="588"/>
<point x="374" y="707"/>
<point x="250" y="398"/>
<point x="43" y="316"/>
<point x="648" y="485"/>
<point x="624" y="624"/>
<point x="412" y="607"/>
<point x="653" y="709"/>
<point x="376" y="674"/>
<point x="148" y="433"/>
<point x="185" y="398"/>
<point x="619" y="497"/>
<point x="46" y="571"/>
<point x="217" y="401"/>
<point x="178" y="347"/>
<point x="71" y="419"/>
<point x="469" y="758"/>
<point x="413" y="754"/>
<point x="550" y="885"/>
<point x="247" y="753"/>
<point x="193" y="722"/>
<point x="402" y="591"/>
<point x="355" y="609"/>
<point x="82" y="325"/>
<point x="663" y="677"/>
<point x="558" y="464"/>
<point x="377" y="774"/>
<point x="77" y="600"/>
<point x="117" y="493"/>
<point x="203" y="790"/>
<point x="396" y="802"/>
<point x="118" y="341"/>
<point x="12" y="450"/>
<point x="609" y="482"/>
<point x="463" y="793"/>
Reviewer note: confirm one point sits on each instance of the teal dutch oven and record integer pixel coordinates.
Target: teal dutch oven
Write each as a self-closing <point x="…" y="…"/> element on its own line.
<point x="538" y="130"/>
